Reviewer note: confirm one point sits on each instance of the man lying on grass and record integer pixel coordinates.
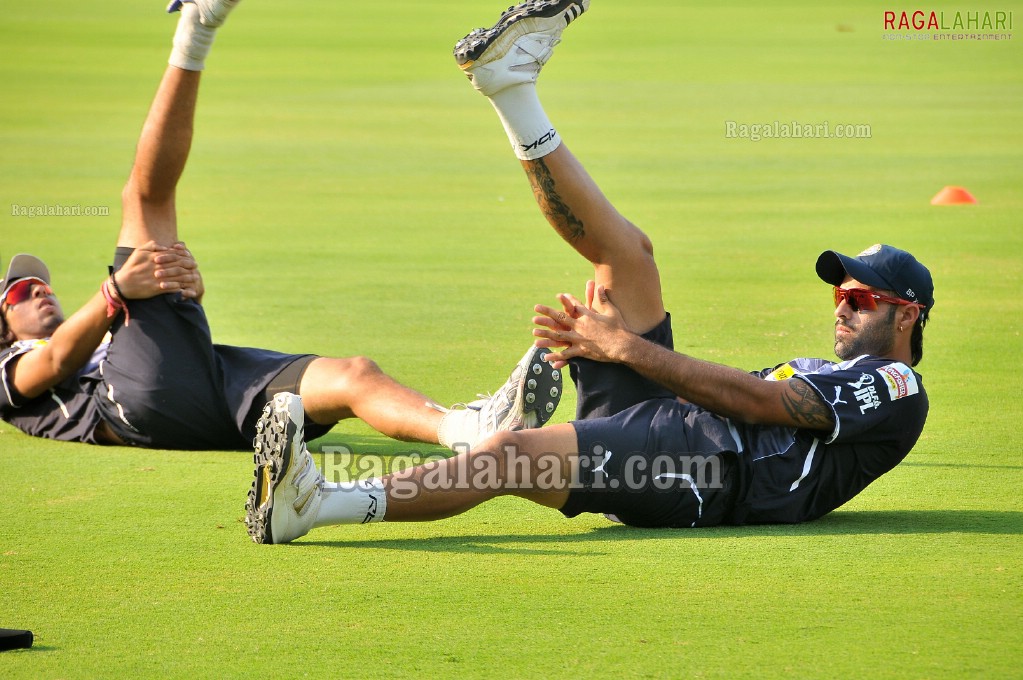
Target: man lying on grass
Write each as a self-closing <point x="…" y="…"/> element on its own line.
<point x="661" y="439"/>
<point x="158" y="380"/>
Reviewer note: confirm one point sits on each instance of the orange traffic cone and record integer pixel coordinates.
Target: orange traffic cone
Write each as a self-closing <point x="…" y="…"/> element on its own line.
<point x="953" y="196"/>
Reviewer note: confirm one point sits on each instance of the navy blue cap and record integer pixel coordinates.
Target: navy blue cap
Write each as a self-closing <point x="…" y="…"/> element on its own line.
<point x="880" y="266"/>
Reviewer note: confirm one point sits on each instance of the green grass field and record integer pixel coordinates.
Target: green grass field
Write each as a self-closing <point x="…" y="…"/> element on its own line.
<point x="348" y="193"/>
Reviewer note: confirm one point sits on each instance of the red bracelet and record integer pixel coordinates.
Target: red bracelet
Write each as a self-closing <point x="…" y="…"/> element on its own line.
<point x="114" y="304"/>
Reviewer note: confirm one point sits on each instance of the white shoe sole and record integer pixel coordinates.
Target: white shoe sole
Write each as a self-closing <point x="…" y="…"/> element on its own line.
<point x="536" y="16"/>
<point x="272" y="459"/>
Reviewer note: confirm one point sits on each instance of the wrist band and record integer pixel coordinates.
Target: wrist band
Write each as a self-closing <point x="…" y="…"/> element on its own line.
<point x="114" y="304"/>
<point x="117" y="289"/>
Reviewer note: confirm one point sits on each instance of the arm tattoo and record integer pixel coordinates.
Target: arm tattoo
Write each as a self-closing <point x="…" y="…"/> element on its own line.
<point x="553" y="207"/>
<point x="806" y="407"/>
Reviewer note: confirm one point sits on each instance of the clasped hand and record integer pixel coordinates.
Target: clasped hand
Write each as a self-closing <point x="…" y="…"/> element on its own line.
<point x="580" y="329"/>
<point x="153" y="269"/>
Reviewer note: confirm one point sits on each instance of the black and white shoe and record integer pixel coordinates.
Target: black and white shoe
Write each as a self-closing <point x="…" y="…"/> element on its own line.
<point x="287" y="488"/>
<point x="527" y="400"/>
<point x="212" y="13"/>
<point x="513" y="50"/>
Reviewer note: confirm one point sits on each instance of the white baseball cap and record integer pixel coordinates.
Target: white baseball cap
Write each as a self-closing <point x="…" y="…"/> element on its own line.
<point x="24" y="266"/>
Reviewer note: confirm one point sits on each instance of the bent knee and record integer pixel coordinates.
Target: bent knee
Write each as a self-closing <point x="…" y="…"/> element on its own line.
<point x="642" y="242"/>
<point x="630" y="246"/>
<point x="359" y="367"/>
<point x="339" y="375"/>
<point x="638" y="246"/>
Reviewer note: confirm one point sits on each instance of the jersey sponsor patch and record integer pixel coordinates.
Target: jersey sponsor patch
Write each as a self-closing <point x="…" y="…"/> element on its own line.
<point x="783" y="372"/>
<point x="900" y="379"/>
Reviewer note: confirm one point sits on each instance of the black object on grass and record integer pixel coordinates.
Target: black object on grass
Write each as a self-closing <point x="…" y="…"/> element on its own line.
<point x="15" y="639"/>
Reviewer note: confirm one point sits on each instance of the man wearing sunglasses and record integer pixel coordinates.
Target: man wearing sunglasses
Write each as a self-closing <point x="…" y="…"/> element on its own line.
<point x="661" y="439"/>
<point x="159" y="381"/>
<point x="41" y="353"/>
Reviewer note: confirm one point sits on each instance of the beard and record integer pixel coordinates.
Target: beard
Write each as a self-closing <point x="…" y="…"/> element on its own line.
<point x="875" y="337"/>
<point x="50" y="325"/>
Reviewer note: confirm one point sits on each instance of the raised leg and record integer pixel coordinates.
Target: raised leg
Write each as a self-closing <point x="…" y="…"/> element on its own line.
<point x="503" y="63"/>
<point x="621" y="254"/>
<point x="148" y="197"/>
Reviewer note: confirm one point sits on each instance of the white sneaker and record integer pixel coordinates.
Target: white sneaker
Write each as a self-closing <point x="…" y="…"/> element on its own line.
<point x="527" y="400"/>
<point x="212" y="13"/>
<point x="287" y="488"/>
<point x="513" y="50"/>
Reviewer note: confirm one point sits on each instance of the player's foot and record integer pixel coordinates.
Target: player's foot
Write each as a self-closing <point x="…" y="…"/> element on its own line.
<point x="513" y="50"/>
<point x="527" y="400"/>
<point x="287" y="489"/>
<point x="212" y="13"/>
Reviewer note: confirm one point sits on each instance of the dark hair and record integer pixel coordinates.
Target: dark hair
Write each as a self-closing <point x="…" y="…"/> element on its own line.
<point x="6" y="336"/>
<point x="916" y="342"/>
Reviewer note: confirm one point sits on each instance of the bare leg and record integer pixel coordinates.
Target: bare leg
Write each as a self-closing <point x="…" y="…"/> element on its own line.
<point x="289" y="496"/>
<point x="531" y="464"/>
<point x="148" y="197"/>
<point x="621" y="254"/>
<point x="336" y="389"/>
<point x="503" y="63"/>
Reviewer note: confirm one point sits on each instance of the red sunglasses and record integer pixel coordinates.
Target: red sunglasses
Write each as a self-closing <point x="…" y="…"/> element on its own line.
<point x="858" y="298"/>
<point x="21" y="290"/>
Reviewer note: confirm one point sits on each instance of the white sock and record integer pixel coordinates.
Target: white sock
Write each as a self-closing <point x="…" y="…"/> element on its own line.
<point x="352" y="503"/>
<point x="192" y="40"/>
<point x="529" y="130"/>
<point x="447" y="430"/>
<point x="459" y="429"/>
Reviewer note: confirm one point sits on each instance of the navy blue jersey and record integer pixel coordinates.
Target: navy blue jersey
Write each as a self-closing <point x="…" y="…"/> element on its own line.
<point x="66" y="411"/>
<point x="771" y="473"/>
<point x="794" y="475"/>
<point x="159" y="383"/>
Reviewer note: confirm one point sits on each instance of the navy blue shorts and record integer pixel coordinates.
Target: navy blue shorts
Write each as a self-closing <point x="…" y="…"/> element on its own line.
<point x="166" y="385"/>
<point x="605" y="389"/>
<point x="647" y="459"/>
